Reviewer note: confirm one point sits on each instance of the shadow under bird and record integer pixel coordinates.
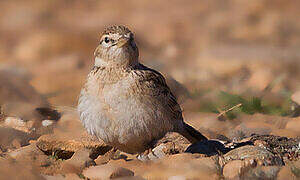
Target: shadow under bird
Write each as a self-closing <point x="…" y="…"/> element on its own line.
<point x="126" y="104"/>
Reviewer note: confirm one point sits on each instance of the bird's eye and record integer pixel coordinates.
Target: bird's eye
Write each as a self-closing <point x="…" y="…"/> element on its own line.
<point x="106" y="40"/>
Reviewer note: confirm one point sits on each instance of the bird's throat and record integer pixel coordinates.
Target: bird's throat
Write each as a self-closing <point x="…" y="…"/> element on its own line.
<point x="99" y="62"/>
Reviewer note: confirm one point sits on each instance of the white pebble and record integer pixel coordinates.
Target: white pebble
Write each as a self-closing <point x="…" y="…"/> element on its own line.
<point x="47" y="123"/>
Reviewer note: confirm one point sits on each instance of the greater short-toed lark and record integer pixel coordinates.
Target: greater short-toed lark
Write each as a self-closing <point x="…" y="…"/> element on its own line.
<point x="126" y="104"/>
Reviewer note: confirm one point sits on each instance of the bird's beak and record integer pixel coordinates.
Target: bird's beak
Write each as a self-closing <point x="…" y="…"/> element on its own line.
<point x="122" y="41"/>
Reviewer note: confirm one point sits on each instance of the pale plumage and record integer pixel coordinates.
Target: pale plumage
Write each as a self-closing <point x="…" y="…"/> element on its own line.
<point x="126" y="104"/>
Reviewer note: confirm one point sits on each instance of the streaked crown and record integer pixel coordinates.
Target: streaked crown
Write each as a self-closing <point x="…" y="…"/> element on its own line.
<point x="116" y="29"/>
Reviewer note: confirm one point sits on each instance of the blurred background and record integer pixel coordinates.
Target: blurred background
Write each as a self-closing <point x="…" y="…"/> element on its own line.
<point x="234" y="66"/>
<point x="216" y="54"/>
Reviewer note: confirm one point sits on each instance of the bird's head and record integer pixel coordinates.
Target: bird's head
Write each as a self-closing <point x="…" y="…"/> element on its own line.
<point x="116" y="48"/>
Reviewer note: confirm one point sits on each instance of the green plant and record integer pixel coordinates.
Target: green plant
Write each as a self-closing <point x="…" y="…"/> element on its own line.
<point x="230" y="105"/>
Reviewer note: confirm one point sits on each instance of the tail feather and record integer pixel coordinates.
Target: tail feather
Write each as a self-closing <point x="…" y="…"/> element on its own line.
<point x="192" y="134"/>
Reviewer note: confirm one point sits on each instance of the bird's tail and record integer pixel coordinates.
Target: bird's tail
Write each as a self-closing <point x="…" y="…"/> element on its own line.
<point x="192" y="134"/>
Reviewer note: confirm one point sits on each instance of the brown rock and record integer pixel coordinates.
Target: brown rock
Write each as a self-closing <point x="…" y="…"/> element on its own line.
<point x="107" y="172"/>
<point x="121" y="172"/>
<point x="174" y="143"/>
<point x="232" y="169"/>
<point x="69" y="136"/>
<point x="261" y="172"/>
<point x="24" y="151"/>
<point x="171" y="143"/>
<point x="18" y="123"/>
<point x="257" y="124"/>
<point x="55" y="177"/>
<point x="296" y="170"/>
<point x="114" y="154"/>
<point x="286" y="133"/>
<point x="131" y="178"/>
<point x="72" y="177"/>
<point x="292" y="170"/>
<point x="285" y="173"/>
<point x="63" y="177"/>
<point x="16" y="144"/>
<point x="80" y="160"/>
<point x="14" y="138"/>
<point x="278" y="145"/>
<point x="189" y="166"/>
<point x="30" y="154"/>
<point x="260" y="143"/>
<point x="293" y="125"/>
<point x="253" y="152"/>
<point x="14" y="170"/>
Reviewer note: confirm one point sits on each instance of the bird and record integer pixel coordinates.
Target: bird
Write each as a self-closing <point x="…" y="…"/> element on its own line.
<point x="126" y="104"/>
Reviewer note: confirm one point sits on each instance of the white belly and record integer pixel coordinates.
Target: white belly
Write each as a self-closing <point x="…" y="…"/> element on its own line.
<point x="120" y="119"/>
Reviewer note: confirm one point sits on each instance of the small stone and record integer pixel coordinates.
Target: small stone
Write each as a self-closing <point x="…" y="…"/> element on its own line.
<point x="18" y="123"/>
<point x="72" y="176"/>
<point x="261" y="172"/>
<point x="14" y="121"/>
<point x="294" y="124"/>
<point x="285" y="173"/>
<point x="253" y="152"/>
<point x="46" y="123"/>
<point x="103" y="159"/>
<point x="190" y="166"/>
<point x="260" y="143"/>
<point x="232" y="169"/>
<point x="55" y="177"/>
<point x="16" y="143"/>
<point x="78" y="162"/>
<point x="29" y="153"/>
<point x="11" y="169"/>
<point x="171" y="143"/>
<point x="107" y="172"/>
<point x="121" y="172"/>
<point x="158" y="152"/>
<point x="12" y="135"/>
<point x="250" y="162"/>
<point x="68" y="137"/>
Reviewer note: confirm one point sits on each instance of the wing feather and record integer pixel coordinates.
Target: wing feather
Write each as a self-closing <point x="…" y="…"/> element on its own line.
<point x="153" y="84"/>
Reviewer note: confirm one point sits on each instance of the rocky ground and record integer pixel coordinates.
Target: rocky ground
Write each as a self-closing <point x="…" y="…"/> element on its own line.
<point x="234" y="66"/>
<point x="62" y="150"/>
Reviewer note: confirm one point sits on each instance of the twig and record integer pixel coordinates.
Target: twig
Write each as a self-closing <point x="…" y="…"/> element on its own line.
<point x="224" y="112"/>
